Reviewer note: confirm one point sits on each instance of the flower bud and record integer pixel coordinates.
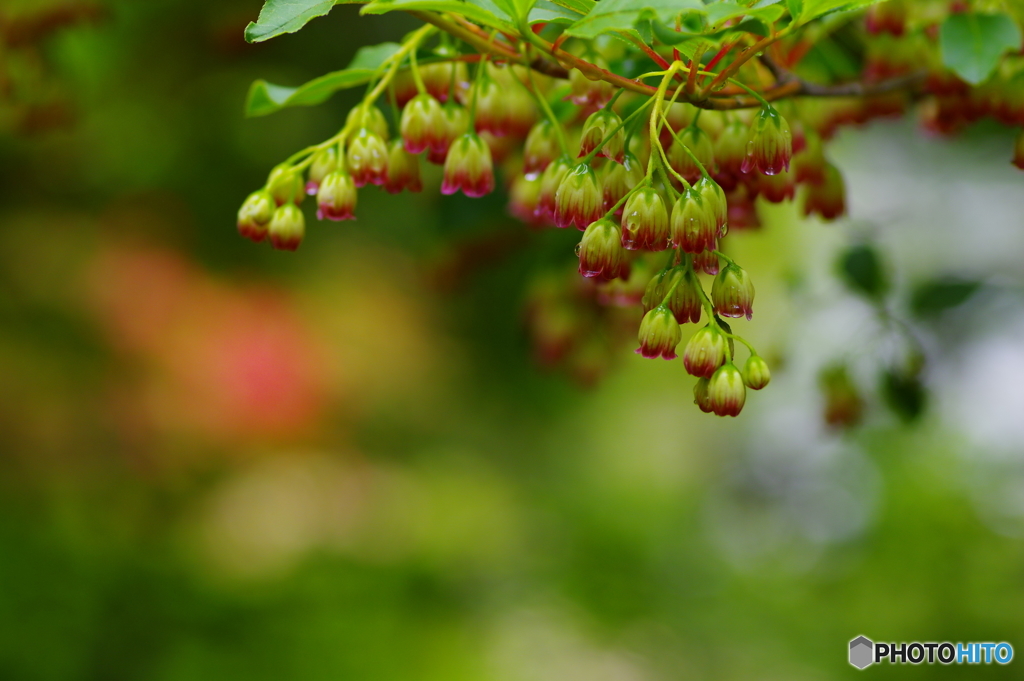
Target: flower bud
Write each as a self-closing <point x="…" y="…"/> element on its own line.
<point x="827" y="199"/>
<point x="887" y="17"/>
<point x="1018" y="150"/>
<point x="468" y="167"/>
<point x="770" y="146"/>
<point x="726" y="391"/>
<point x="336" y="199"/>
<point x="706" y="262"/>
<point x="440" y="78"/>
<point x="657" y="289"/>
<point x="255" y="214"/>
<point x="549" y="183"/>
<point x="456" y="123"/>
<point x="324" y="163"/>
<point x="287" y="227"/>
<point x="522" y="200"/>
<point x="715" y="201"/>
<point x="733" y="293"/>
<point x="541" y="148"/>
<point x="730" y="150"/>
<point x="705" y="352"/>
<point x="701" y="396"/>
<point x="756" y="373"/>
<point x="490" y="107"/>
<point x="520" y="112"/>
<point x="598" y="126"/>
<point x="645" y="221"/>
<point x="809" y="164"/>
<point x="659" y="334"/>
<point x="285" y="185"/>
<point x="578" y="200"/>
<point x="587" y="92"/>
<point x="370" y="117"/>
<point x="403" y="170"/>
<point x="693" y="227"/>
<point x="776" y="188"/>
<point x="698" y="142"/>
<point x="619" y="180"/>
<point x="422" y="124"/>
<point x="684" y="298"/>
<point x="600" y="251"/>
<point x="367" y="158"/>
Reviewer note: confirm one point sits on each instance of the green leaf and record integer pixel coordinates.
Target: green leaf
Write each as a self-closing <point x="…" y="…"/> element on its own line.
<point x="266" y="98"/>
<point x="723" y="11"/>
<point x="545" y="12"/>
<point x="904" y="393"/>
<point x="285" y="16"/>
<point x="484" y="12"/>
<point x="972" y="44"/>
<point x="581" y="7"/>
<point x="807" y="10"/>
<point x="932" y="298"/>
<point x="618" y="15"/>
<point x="861" y="268"/>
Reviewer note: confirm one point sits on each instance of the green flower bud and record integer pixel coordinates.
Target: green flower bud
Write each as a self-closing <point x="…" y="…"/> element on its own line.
<point x="756" y="372"/>
<point x="659" y="334"/>
<point x="701" y="396"/>
<point x="255" y="215"/>
<point x="598" y="126"/>
<point x="733" y="292"/>
<point x="600" y="252"/>
<point x="578" y="200"/>
<point x="324" y="163"/>
<point x="705" y="352"/>
<point x="726" y="391"/>
<point x="368" y="116"/>
<point x="697" y="141"/>
<point x="645" y="221"/>
<point x="287" y="227"/>
<point x="285" y="185"/>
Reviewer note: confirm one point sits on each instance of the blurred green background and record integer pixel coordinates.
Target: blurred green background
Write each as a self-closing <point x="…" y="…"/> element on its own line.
<point x="225" y="462"/>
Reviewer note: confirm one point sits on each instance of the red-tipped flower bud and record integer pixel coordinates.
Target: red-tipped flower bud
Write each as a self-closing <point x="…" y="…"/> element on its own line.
<point x="699" y="143"/>
<point x="285" y="185"/>
<point x="468" y="167"/>
<point x="659" y="334"/>
<point x="324" y="163"/>
<point x="705" y="352"/>
<point x="715" y="201"/>
<point x="255" y="215"/>
<point x="701" y="396"/>
<point x="549" y="183"/>
<point x="520" y="112"/>
<point x="587" y="92"/>
<point x="733" y="292"/>
<point x="809" y="164"/>
<point x="522" y="200"/>
<point x="287" y="227"/>
<point x="578" y="200"/>
<point x="368" y="116"/>
<point x="693" y="226"/>
<point x="887" y="17"/>
<point x="336" y="199"/>
<point x="490" y="107"/>
<point x="771" y="144"/>
<point x="645" y="221"/>
<point x="598" y="126"/>
<point x="403" y="170"/>
<point x="440" y="78"/>
<point x="367" y="158"/>
<point x="619" y="180"/>
<point x="776" y="188"/>
<point x="756" y="373"/>
<point x="541" y="149"/>
<point x="600" y="251"/>
<point x="726" y="391"/>
<point x="456" y="123"/>
<point x="684" y="298"/>
<point x="423" y="124"/>
<point x="706" y="262"/>
<point x="827" y="199"/>
<point x="730" y="150"/>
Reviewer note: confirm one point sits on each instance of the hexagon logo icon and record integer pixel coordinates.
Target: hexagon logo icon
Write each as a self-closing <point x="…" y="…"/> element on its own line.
<point x="861" y="652"/>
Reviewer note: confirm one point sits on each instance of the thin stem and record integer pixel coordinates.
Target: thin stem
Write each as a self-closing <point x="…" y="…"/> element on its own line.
<point x="415" y="69"/>
<point x="542" y="101"/>
<point x="679" y="141"/>
<point x="590" y="157"/>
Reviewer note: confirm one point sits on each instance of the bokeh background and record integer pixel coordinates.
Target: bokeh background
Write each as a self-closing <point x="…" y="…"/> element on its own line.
<point x="225" y="462"/>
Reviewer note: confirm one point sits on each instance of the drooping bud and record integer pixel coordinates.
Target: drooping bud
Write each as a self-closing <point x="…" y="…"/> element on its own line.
<point x="706" y="262"/>
<point x="657" y="289"/>
<point x="619" y="180"/>
<point x="771" y="144"/>
<point x="403" y="170"/>
<point x="693" y="226"/>
<point x="684" y="298"/>
<point x="324" y="163"/>
<point x="287" y="227"/>
<point x="336" y="199"/>
<point x="367" y="158"/>
<point x="422" y="124"/>
<point x="726" y="391"/>
<point x="701" y="396"/>
<point x="255" y="215"/>
<point x="827" y="199"/>
<point x="776" y="188"/>
<point x="715" y="201"/>
<point x="733" y="292"/>
<point x="600" y="251"/>
<point x="742" y="209"/>
<point x="491" y="113"/>
<point x="578" y="200"/>
<point x="705" y="352"/>
<point x="456" y="123"/>
<point x="440" y="78"/>
<point x="645" y="221"/>
<point x="659" y="334"/>
<point x="522" y="200"/>
<point x="730" y="150"/>
<point x="887" y="17"/>
<point x="368" y="116"/>
<point x="285" y="185"/>
<point x="520" y="111"/>
<point x="587" y="92"/>
<point x="809" y="164"/>
<point x="756" y="373"/>
<point x="598" y="126"/>
<point x="1018" y="150"/>
<point x="468" y="167"/>
<point x="549" y="183"/>
<point x="699" y="143"/>
<point x="541" y="148"/>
